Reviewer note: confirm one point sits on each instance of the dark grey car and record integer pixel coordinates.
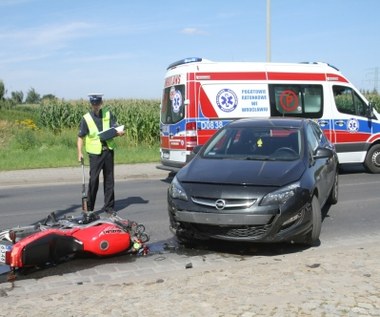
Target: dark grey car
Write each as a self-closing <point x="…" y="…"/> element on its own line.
<point x="258" y="180"/>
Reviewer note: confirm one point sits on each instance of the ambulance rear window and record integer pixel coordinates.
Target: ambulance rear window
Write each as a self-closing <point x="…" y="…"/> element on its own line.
<point x="296" y="100"/>
<point x="172" y="105"/>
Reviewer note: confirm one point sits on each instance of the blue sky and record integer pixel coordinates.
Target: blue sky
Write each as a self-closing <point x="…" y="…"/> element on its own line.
<point x="121" y="48"/>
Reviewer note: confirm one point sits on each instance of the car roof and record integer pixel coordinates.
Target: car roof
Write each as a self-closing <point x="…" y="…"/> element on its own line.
<point x="279" y="122"/>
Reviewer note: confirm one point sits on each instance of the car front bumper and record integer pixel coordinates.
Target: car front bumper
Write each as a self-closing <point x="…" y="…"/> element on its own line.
<point x="271" y="226"/>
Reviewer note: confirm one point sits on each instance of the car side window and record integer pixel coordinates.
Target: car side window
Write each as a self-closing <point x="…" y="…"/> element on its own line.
<point x="311" y="137"/>
<point x="318" y="133"/>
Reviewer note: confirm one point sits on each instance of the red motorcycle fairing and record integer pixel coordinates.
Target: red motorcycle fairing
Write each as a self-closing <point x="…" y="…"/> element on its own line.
<point x="53" y="244"/>
<point x="42" y="247"/>
<point x="103" y="239"/>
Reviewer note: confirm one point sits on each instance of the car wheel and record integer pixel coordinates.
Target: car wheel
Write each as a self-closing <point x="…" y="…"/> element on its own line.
<point x="312" y="237"/>
<point x="372" y="160"/>
<point x="333" y="197"/>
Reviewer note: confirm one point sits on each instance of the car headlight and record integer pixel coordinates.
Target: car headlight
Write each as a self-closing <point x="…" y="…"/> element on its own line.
<point x="176" y="191"/>
<point x="280" y="196"/>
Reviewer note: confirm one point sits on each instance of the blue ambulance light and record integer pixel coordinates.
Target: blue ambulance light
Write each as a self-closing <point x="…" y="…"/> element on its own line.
<point x="321" y="63"/>
<point x="185" y="61"/>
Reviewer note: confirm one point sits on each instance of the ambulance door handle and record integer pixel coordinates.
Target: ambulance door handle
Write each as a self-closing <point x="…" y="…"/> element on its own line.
<point x="339" y="123"/>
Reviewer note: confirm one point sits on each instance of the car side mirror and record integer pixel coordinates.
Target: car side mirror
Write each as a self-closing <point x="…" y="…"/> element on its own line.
<point x="194" y="152"/>
<point x="196" y="149"/>
<point x="369" y="113"/>
<point x="323" y="152"/>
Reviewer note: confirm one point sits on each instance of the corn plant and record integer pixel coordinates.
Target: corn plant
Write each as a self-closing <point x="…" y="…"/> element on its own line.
<point x="140" y="117"/>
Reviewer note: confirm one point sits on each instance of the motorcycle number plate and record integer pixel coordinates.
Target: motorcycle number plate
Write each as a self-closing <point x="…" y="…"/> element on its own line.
<point x="4" y="248"/>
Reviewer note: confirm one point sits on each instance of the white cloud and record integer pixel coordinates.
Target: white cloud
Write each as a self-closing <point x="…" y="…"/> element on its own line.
<point x="193" y="31"/>
<point x="13" y="2"/>
<point x="96" y="58"/>
<point x="21" y="58"/>
<point x="61" y="33"/>
<point x="47" y="36"/>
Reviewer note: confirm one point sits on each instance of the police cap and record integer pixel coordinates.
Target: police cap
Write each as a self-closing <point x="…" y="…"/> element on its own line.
<point x="95" y="99"/>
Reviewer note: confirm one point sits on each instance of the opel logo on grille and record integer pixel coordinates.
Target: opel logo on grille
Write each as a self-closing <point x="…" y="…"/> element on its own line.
<point x="220" y="204"/>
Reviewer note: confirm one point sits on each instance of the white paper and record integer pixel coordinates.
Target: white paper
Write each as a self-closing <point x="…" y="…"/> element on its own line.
<point x="120" y="128"/>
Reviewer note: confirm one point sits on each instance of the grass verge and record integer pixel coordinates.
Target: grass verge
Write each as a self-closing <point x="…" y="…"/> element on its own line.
<point x="25" y="148"/>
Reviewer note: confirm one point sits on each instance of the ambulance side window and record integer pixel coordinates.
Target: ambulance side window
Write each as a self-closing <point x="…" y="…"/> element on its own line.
<point x="296" y="100"/>
<point x="348" y="101"/>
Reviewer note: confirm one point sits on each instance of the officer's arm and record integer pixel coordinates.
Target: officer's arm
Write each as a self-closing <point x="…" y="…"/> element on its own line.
<point x="79" y="148"/>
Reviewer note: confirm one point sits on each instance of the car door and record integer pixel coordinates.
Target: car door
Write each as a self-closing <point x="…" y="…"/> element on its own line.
<point x="351" y="127"/>
<point x="321" y="166"/>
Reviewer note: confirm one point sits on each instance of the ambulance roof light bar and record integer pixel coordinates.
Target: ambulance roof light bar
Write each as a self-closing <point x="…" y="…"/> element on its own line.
<point x="184" y="61"/>
<point x="316" y="63"/>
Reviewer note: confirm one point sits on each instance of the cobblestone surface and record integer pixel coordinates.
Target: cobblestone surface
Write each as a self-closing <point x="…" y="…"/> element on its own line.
<point x="322" y="281"/>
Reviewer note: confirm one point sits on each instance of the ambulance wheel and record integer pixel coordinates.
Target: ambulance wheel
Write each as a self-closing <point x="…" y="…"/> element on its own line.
<point x="372" y="160"/>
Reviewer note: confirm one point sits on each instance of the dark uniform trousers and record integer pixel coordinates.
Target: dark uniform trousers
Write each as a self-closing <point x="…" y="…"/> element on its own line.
<point x="105" y="162"/>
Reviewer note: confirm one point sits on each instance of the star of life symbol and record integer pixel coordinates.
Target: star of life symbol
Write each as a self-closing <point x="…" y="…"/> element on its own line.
<point x="353" y="125"/>
<point x="177" y="101"/>
<point x="226" y="100"/>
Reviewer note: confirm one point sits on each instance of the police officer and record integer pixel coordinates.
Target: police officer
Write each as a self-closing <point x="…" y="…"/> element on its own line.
<point x="100" y="151"/>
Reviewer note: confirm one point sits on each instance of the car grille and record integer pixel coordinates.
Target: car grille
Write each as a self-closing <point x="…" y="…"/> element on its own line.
<point x="228" y="203"/>
<point x="254" y="232"/>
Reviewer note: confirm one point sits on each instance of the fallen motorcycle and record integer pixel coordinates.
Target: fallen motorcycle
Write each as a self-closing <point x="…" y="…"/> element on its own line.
<point x="54" y="239"/>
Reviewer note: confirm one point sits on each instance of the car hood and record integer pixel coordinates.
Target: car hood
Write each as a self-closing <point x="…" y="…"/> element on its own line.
<point x="265" y="173"/>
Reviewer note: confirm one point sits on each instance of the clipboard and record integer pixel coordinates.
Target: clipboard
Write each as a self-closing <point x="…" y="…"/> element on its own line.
<point x="110" y="133"/>
<point x="107" y="134"/>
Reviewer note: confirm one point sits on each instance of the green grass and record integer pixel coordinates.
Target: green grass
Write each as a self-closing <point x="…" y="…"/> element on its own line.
<point x="25" y="148"/>
<point x="58" y="156"/>
<point x="40" y="136"/>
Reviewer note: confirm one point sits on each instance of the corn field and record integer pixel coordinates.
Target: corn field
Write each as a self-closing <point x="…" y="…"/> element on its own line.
<point x="139" y="117"/>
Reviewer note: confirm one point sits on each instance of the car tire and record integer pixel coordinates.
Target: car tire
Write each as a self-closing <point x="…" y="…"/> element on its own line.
<point x="372" y="160"/>
<point x="333" y="197"/>
<point x="312" y="238"/>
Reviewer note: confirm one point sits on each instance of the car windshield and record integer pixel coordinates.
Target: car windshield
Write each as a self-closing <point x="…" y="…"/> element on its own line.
<point x="251" y="143"/>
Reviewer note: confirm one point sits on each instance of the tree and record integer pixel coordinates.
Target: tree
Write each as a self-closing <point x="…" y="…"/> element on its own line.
<point x="50" y="97"/>
<point x="32" y="96"/>
<point x="17" y="96"/>
<point x="2" y="90"/>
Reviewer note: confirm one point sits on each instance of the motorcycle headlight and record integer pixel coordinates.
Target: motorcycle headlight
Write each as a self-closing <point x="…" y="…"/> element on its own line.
<point x="176" y="191"/>
<point x="280" y="196"/>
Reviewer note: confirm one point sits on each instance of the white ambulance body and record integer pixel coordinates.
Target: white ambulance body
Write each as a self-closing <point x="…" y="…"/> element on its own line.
<point x="201" y="96"/>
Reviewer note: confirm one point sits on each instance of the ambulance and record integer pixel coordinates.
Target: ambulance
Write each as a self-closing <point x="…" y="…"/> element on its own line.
<point x="201" y="96"/>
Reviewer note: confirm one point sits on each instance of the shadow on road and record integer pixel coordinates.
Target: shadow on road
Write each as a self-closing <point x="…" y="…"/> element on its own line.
<point x="158" y="252"/>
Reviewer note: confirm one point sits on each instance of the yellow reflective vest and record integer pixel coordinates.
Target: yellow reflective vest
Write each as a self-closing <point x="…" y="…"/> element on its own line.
<point x="93" y="143"/>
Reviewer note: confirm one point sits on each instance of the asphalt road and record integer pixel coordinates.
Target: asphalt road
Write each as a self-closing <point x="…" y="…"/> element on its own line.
<point x="338" y="278"/>
<point x="139" y="200"/>
<point x="144" y="201"/>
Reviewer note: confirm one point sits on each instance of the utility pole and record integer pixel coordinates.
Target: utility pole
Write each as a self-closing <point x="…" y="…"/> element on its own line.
<point x="374" y="78"/>
<point x="268" y="33"/>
